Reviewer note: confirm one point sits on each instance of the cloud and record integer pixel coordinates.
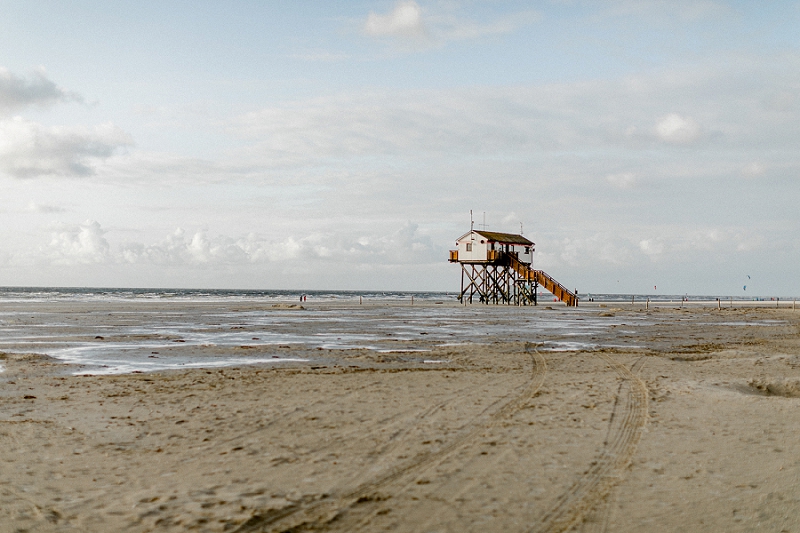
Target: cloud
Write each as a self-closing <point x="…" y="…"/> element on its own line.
<point x="390" y="123"/>
<point x="586" y="250"/>
<point x="145" y="167"/>
<point x="475" y="122"/>
<point x="87" y="243"/>
<point x="608" y="131"/>
<point x="404" y="246"/>
<point x="676" y="129"/>
<point x="405" y="20"/>
<point x="80" y="244"/>
<point x="624" y="180"/>
<point x="178" y="248"/>
<point x="753" y="169"/>
<point x="409" y="23"/>
<point x="17" y="92"/>
<point x="690" y="242"/>
<point x="651" y="247"/>
<point x="29" y="149"/>
<point x="44" y="208"/>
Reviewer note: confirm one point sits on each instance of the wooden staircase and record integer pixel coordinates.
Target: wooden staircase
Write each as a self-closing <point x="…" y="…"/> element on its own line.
<point x="545" y="280"/>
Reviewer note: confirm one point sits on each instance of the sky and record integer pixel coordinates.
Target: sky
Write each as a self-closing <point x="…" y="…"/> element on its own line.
<point x="648" y="147"/>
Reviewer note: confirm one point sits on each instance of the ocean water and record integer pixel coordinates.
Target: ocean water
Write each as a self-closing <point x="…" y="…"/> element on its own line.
<point x="243" y="328"/>
<point x="10" y="294"/>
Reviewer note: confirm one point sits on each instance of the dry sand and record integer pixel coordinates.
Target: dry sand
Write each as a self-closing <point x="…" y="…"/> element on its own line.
<point x="692" y="429"/>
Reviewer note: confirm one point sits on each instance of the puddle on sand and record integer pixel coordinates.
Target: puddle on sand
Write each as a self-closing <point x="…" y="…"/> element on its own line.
<point x="97" y="369"/>
<point x="99" y="343"/>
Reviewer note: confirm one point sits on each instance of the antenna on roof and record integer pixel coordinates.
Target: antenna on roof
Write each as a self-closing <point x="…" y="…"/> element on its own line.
<point x="520" y="228"/>
<point x="483" y="226"/>
<point x="471" y="222"/>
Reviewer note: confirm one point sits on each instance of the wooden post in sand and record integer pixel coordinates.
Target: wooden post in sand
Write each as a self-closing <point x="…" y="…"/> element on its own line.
<point x="719" y="304"/>
<point x="647" y="304"/>
<point x="359" y="300"/>
<point x="412" y="299"/>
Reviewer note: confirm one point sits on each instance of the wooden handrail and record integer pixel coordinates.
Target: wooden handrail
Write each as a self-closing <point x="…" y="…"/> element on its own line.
<point x="544" y="279"/>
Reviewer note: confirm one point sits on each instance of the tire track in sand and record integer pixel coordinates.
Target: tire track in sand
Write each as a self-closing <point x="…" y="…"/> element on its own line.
<point x="598" y="520"/>
<point x="605" y="472"/>
<point x="324" y="510"/>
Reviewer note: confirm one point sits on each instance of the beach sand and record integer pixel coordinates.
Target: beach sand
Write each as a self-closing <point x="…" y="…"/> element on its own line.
<point x="688" y="423"/>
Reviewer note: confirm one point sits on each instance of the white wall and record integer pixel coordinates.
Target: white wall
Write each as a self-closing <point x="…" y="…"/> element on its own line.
<point x="478" y="252"/>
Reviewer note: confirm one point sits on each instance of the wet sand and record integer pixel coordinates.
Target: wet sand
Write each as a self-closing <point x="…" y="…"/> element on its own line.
<point x="680" y="419"/>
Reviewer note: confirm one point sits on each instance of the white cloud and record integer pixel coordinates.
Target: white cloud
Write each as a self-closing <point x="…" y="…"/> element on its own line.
<point x="570" y="132"/>
<point x="629" y="249"/>
<point x="17" y="92"/>
<point x="80" y="244"/>
<point x="405" y="245"/>
<point x="586" y="250"/>
<point x="178" y="248"/>
<point x="405" y="20"/>
<point x="689" y="242"/>
<point x="29" y="149"/>
<point x="44" y="208"/>
<point x="651" y="247"/>
<point x="750" y="241"/>
<point x="477" y="121"/>
<point x="87" y="243"/>
<point x="676" y="129"/>
<point x="413" y="122"/>
<point x="146" y="167"/>
<point x="624" y="180"/>
<point x="753" y="169"/>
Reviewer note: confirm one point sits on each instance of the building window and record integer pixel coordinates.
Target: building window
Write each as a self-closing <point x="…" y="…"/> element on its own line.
<point x="469" y="246"/>
<point x="527" y="250"/>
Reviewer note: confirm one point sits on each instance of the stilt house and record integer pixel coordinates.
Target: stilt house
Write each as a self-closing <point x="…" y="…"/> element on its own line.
<point x="498" y="268"/>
